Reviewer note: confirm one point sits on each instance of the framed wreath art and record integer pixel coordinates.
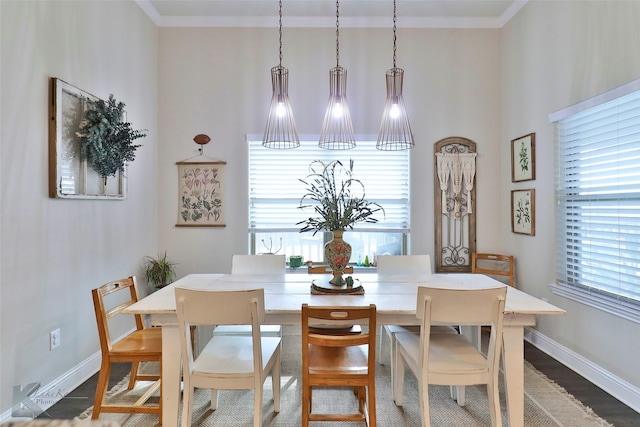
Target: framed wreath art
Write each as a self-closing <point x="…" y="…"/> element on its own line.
<point x="90" y="144"/>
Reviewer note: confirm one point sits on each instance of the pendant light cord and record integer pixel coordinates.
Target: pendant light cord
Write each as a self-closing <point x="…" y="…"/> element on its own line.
<point x="337" y="33"/>
<point x="280" y="24"/>
<point x="394" y="33"/>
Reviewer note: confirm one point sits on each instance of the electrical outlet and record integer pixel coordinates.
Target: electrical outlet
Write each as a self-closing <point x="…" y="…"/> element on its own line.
<point x="54" y="339"/>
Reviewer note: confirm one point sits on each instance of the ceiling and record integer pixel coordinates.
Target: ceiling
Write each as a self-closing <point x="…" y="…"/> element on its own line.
<point x="322" y="13"/>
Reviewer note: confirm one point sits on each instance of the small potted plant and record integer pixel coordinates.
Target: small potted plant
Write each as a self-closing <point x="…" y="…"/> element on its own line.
<point x="159" y="271"/>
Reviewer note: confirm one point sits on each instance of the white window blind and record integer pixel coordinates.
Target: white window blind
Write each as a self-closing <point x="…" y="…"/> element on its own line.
<point x="598" y="199"/>
<point x="275" y="188"/>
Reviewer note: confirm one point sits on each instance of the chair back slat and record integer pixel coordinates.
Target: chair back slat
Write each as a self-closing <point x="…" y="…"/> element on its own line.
<point x="502" y="266"/>
<point x="258" y="264"/>
<point x="325" y="269"/>
<point x="404" y="264"/>
<point x="313" y="316"/>
<point x="118" y="309"/>
<point x="461" y="306"/>
<point x="220" y="307"/>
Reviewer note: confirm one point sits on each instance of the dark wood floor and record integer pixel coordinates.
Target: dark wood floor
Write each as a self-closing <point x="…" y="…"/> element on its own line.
<point x="602" y="403"/>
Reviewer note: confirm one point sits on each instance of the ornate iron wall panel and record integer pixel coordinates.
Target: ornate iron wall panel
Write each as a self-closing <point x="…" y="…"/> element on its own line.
<point x="454" y="200"/>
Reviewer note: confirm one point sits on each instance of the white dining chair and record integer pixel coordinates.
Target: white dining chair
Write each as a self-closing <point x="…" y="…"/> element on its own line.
<point x="407" y="264"/>
<point x="401" y="264"/>
<point x="254" y="264"/>
<point x="227" y="362"/>
<point x="452" y="359"/>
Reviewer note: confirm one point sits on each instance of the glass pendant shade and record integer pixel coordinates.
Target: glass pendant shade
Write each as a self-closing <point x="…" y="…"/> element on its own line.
<point x="280" y="131"/>
<point x="337" y="130"/>
<point x="395" y="130"/>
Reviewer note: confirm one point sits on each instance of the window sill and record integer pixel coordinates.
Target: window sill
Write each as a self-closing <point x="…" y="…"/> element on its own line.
<point x="355" y="270"/>
<point x="609" y="304"/>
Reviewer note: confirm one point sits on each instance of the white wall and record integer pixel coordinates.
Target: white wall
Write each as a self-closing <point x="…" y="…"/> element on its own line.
<point x="556" y="54"/>
<point x="53" y="252"/>
<point x="217" y="81"/>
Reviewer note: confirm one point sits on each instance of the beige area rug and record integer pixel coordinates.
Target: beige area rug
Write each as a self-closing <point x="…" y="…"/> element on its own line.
<point x="546" y="404"/>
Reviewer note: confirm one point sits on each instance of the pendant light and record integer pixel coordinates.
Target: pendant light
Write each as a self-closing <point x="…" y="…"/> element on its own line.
<point x="395" y="130"/>
<point x="337" y="130"/>
<point x="280" y="131"/>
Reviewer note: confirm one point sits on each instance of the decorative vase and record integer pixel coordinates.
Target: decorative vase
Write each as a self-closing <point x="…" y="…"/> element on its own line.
<point x="337" y="252"/>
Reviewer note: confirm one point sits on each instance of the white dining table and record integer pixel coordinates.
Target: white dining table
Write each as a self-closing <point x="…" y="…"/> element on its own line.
<point x="395" y="299"/>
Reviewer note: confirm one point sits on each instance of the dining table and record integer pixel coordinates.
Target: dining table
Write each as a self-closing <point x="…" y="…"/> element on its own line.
<point x="395" y="297"/>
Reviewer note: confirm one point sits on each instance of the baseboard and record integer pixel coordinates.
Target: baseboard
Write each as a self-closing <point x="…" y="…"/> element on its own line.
<point x="49" y="394"/>
<point x="612" y="384"/>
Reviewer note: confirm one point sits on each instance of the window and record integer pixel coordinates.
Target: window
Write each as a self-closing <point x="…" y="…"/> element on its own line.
<point x="275" y="191"/>
<point x="598" y="201"/>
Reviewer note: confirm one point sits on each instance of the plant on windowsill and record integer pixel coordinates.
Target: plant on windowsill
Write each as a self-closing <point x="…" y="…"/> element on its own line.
<point x="339" y="202"/>
<point x="160" y="271"/>
<point x="106" y="141"/>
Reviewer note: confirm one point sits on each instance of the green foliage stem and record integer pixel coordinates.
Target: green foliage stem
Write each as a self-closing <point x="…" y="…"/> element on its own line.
<point x="338" y="196"/>
<point x="106" y="142"/>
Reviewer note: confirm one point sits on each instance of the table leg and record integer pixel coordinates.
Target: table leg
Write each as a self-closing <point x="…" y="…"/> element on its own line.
<point x="170" y="375"/>
<point x="513" y="358"/>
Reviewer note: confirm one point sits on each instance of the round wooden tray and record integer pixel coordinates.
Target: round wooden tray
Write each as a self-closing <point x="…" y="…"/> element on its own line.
<point x="323" y="287"/>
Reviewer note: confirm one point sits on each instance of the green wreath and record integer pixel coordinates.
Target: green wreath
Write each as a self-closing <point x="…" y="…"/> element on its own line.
<point x="106" y="142"/>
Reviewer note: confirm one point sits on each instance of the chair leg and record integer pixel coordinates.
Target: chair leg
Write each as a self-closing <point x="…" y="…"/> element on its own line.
<point x="276" y="384"/>
<point x="135" y="367"/>
<point x="381" y="346"/>
<point x="187" y="398"/>
<point x="257" y="406"/>
<point x="160" y="394"/>
<point x="398" y="378"/>
<point x="494" y="403"/>
<point x="460" y="395"/>
<point x="392" y="351"/>
<point x="214" y="400"/>
<point x="371" y="403"/>
<point x="424" y="402"/>
<point x="101" y="389"/>
<point x="306" y="405"/>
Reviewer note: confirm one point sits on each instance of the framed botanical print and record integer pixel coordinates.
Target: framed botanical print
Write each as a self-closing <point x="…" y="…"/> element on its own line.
<point x="523" y="218"/>
<point x="200" y="198"/>
<point x="523" y="158"/>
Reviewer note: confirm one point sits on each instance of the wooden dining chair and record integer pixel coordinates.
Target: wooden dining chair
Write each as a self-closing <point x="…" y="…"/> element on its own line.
<point x="254" y="264"/>
<point x="142" y="345"/>
<point x="452" y="359"/>
<point x="500" y="267"/>
<point x="325" y="269"/>
<point x="334" y="360"/>
<point x="227" y="362"/>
